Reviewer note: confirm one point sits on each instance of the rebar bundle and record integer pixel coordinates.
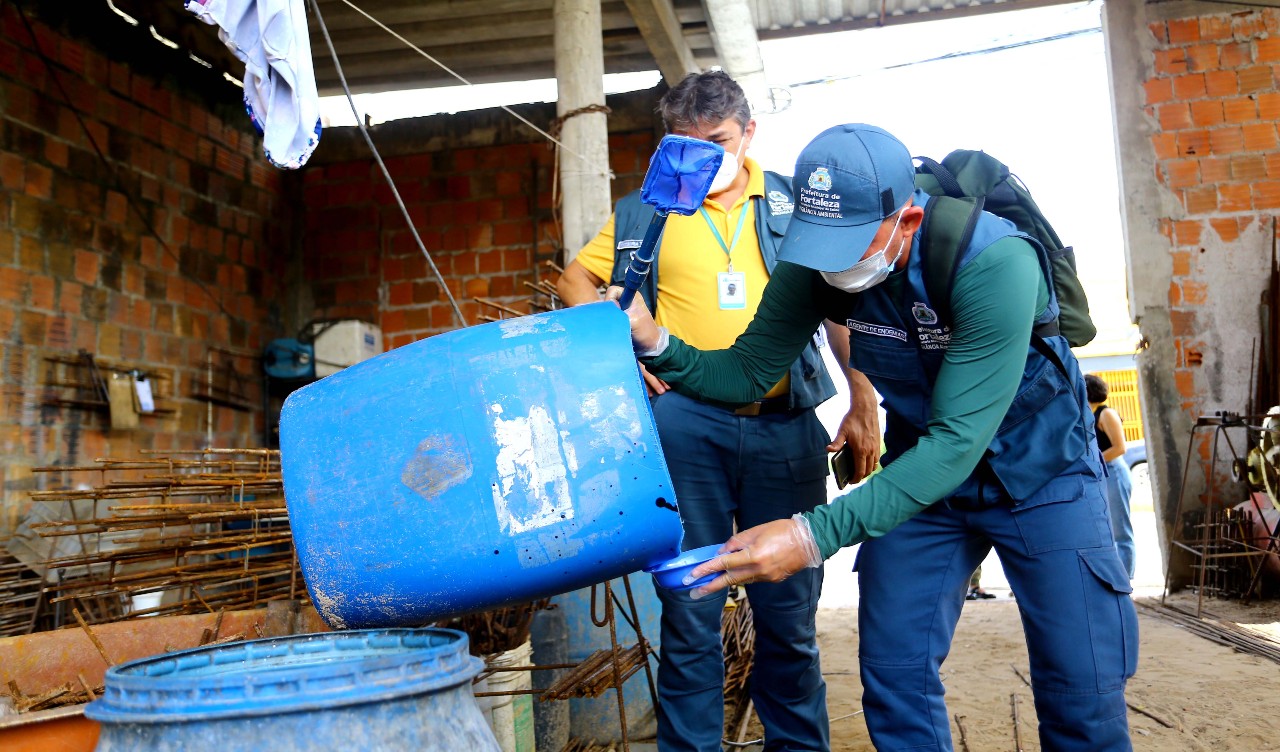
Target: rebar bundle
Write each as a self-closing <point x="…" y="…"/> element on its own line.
<point x="208" y="528"/>
<point x="739" y="638"/>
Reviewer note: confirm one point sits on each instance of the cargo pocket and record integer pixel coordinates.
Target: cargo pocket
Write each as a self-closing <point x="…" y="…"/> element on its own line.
<point x="809" y="474"/>
<point x="1113" y="621"/>
<point x="1065" y="514"/>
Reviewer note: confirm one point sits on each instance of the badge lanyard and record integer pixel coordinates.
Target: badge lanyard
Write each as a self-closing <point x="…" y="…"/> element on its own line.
<point x="728" y="249"/>
<point x="731" y="285"/>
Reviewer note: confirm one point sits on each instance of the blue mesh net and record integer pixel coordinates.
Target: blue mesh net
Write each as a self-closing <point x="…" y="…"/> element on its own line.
<point x="680" y="174"/>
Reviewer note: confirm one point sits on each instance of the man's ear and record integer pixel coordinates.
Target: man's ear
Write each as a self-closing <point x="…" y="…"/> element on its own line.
<point x="912" y="216"/>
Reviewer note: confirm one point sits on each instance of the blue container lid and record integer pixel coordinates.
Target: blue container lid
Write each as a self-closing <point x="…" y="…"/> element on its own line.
<point x="285" y="674"/>
<point x="670" y="574"/>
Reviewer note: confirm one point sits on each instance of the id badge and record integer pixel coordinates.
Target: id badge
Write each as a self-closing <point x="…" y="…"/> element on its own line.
<point x="733" y="290"/>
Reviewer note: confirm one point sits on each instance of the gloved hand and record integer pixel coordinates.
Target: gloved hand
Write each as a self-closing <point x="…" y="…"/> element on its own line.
<point x="647" y="338"/>
<point x="770" y="552"/>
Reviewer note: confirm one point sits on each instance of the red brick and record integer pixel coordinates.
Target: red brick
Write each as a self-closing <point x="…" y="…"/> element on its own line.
<point x="1186" y="232"/>
<point x="1193" y="143"/>
<point x="1181" y="263"/>
<point x="87" y="267"/>
<point x="1190" y="86"/>
<point x="1182" y="173"/>
<point x="1268" y="50"/>
<point x="43" y="291"/>
<point x="56" y="152"/>
<point x="1239" y="110"/>
<point x="1256" y="78"/>
<point x="1184" y="30"/>
<point x="1233" y="198"/>
<point x="1273" y="165"/>
<point x="1248" y="24"/>
<point x="1214" y="170"/>
<point x="1248" y="167"/>
<point x="1266" y="194"/>
<point x="1201" y="200"/>
<point x="1215" y="27"/>
<point x="1202" y="57"/>
<point x="13" y="172"/>
<point x="1268" y="106"/>
<point x="1227" y="140"/>
<point x="1175" y="294"/>
<point x="70" y="296"/>
<point x="1206" y="113"/>
<point x="1228" y="230"/>
<point x="1159" y="31"/>
<point x="1175" y="116"/>
<point x="477" y="287"/>
<point x="1235" y="55"/>
<point x="1183" y="323"/>
<point x="1259" y="136"/>
<point x="39" y="181"/>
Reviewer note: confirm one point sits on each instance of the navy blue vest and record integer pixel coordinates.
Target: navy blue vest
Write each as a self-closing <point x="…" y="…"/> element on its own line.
<point x="1042" y="451"/>
<point x="811" y="385"/>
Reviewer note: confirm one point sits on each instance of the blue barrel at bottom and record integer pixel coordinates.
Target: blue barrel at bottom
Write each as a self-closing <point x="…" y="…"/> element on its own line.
<point x="384" y="689"/>
<point x="596" y="719"/>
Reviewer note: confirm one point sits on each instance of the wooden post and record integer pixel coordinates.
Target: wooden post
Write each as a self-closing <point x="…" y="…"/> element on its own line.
<point x="584" y="160"/>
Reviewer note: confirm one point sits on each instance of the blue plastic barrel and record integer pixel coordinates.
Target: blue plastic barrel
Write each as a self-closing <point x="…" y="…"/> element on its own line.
<point x="374" y="690"/>
<point x="483" y="467"/>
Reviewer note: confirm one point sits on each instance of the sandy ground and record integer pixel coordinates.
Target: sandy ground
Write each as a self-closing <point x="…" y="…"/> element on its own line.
<point x="1215" y="698"/>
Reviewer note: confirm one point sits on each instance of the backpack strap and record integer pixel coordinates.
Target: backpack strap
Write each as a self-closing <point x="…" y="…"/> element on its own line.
<point x="945" y="179"/>
<point x="947" y="229"/>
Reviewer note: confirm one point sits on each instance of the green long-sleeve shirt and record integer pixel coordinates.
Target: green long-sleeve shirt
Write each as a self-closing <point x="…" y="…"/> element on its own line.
<point x="995" y="300"/>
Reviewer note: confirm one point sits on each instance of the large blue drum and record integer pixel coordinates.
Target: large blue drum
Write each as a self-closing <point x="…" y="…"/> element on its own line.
<point x="479" y="468"/>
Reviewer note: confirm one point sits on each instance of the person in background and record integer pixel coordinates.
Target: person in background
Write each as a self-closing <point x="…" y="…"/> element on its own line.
<point x="733" y="465"/>
<point x="1110" y="432"/>
<point x="976" y="593"/>
<point x="990" y="444"/>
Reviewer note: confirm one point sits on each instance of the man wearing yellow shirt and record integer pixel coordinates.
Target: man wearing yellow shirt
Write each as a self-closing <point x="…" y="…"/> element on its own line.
<point x="732" y="464"/>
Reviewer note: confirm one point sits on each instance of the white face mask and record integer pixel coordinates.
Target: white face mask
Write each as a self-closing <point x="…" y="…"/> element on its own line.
<point x="868" y="272"/>
<point x="727" y="172"/>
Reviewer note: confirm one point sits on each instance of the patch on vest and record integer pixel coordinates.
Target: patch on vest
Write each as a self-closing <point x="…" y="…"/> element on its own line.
<point x="876" y="330"/>
<point x="780" y="203"/>
<point x="934" y="339"/>
<point x="629" y="245"/>
<point x="924" y="314"/>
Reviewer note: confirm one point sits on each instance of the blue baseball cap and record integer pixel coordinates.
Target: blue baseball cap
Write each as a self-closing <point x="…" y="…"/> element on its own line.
<point x="847" y="180"/>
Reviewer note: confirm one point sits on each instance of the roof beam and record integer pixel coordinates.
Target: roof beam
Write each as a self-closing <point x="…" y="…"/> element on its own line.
<point x="663" y="33"/>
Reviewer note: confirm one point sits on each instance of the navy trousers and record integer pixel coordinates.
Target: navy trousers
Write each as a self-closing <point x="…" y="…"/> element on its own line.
<point x="749" y="470"/>
<point x="1073" y="594"/>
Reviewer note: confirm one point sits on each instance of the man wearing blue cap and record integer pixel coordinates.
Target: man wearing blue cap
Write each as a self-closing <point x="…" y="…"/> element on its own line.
<point x="989" y="444"/>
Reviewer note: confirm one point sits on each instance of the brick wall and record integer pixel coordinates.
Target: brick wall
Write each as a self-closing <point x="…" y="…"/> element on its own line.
<point x="483" y="211"/>
<point x="80" y="270"/>
<point x="1212" y="97"/>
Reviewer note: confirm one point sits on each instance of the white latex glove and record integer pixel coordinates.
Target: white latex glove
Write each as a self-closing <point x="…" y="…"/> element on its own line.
<point x="647" y="338"/>
<point x="770" y="552"/>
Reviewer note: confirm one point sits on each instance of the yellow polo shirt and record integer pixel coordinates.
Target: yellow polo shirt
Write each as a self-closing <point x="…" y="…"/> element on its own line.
<point x="691" y="257"/>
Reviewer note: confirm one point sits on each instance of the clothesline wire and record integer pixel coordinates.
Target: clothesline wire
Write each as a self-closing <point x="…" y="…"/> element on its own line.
<point x="315" y="5"/>
<point x="453" y="73"/>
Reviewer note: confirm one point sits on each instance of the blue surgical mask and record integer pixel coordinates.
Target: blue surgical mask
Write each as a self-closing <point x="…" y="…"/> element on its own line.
<point x="870" y="271"/>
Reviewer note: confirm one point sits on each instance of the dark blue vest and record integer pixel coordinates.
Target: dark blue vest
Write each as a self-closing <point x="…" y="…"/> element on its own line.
<point x="1042" y="451"/>
<point x="811" y="385"/>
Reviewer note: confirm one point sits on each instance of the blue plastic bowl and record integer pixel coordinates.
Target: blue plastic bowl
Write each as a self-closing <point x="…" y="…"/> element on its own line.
<point x="670" y="574"/>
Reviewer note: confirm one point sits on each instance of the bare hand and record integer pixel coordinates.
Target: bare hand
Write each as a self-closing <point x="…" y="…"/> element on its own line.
<point x="860" y="428"/>
<point x="770" y="552"/>
<point x="644" y="332"/>
<point x="656" y="385"/>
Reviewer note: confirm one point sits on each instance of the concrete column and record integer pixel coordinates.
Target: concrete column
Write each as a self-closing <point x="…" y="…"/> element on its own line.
<point x="584" y="159"/>
<point x="738" y="46"/>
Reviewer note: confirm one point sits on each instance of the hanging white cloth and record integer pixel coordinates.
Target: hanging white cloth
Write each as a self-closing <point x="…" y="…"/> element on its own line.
<point x="271" y="37"/>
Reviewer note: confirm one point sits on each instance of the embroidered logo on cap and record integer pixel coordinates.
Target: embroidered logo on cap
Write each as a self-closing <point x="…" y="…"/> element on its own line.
<point x="820" y="179"/>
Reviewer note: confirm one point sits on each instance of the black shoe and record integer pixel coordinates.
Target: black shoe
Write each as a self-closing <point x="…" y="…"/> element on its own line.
<point x="978" y="594"/>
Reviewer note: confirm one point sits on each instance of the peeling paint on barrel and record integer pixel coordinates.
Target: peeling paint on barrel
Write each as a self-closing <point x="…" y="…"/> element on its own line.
<point x="440" y="463"/>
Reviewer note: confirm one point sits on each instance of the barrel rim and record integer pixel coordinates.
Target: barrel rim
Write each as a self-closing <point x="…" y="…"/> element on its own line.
<point x="329" y="670"/>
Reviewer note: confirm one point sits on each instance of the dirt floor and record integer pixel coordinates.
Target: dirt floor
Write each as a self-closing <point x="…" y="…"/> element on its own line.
<point x="1215" y="698"/>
